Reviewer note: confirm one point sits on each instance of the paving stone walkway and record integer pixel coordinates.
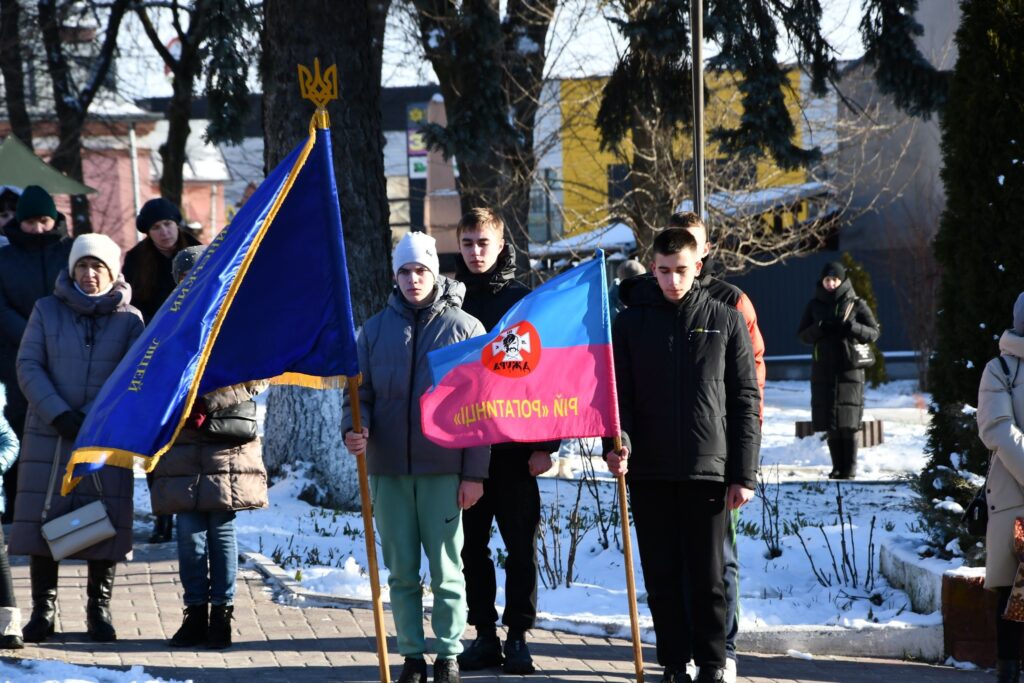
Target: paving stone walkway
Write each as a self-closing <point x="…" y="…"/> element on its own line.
<point x="276" y="642"/>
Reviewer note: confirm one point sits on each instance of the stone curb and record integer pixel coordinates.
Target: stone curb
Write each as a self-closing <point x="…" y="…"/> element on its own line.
<point x="917" y="642"/>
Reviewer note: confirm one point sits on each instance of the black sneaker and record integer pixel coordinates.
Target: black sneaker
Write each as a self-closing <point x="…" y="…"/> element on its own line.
<point x="675" y="676"/>
<point x="414" y="671"/>
<point x="446" y="671"/>
<point x="517" y="657"/>
<point x="482" y="653"/>
<point x="711" y="675"/>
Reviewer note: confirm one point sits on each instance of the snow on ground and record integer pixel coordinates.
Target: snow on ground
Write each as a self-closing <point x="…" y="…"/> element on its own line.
<point x="45" y="671"/>
<point x="325" y="550"/>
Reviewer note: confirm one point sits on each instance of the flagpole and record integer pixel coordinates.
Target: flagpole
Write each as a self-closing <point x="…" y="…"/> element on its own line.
<point x="627" y="549"/>
<point x="371" y="544"/>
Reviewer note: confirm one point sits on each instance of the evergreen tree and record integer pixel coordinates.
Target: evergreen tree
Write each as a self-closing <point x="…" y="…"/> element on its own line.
<point x="861" y="280"/>
<point x="647" y="98"/>
<point x="978" y="246"/>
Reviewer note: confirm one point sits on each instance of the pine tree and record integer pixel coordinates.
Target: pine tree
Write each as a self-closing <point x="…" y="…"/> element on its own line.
<point x="861" y="280"/>
<point x="978" y="246"/>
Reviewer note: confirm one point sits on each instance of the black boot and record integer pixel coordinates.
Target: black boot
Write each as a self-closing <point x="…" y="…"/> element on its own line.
<point x="218" y="636"/>
<point x="850" y="471"/>
<point x="482" y="653"/>
<point x="194" y="628"/>
<point x="99" y="588"/>
<point x="446" y="671"/>
<point x="1007" y="671"/>
<point x="517" y="655"/>
<point x="413" y="671"/>
<point x="835" y="451"/>
<point x="43" y="574"/>
<point x="163" y="527"/>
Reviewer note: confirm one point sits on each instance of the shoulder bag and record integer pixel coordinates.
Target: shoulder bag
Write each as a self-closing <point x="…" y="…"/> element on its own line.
<point x="975" y="518"/>
<point x="78" y="529"/>
<point x="858" y="354"/>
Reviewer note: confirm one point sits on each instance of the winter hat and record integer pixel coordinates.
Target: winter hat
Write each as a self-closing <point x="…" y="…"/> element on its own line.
<point x="416" y="247"/>
<point x="98" y="246"/>
<point x="158" y="209"/>
<point x="833" y="269"/>
<point x="184" y="260"/>
<point x="35" y="201"/>
<point x="1018" y="315"/>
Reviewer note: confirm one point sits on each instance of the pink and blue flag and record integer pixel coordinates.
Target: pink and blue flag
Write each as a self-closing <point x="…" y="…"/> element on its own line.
<point x="544" y="372"/>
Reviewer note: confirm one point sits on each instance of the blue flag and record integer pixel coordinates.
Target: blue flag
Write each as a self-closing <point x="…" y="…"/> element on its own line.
<point x="268" y="299"/>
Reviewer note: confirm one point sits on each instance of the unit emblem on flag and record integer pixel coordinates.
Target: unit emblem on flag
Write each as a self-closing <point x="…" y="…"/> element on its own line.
<point x="514" y="352"/>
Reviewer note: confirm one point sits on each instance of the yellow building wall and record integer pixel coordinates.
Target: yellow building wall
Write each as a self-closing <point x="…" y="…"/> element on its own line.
<point x="584" y="172"/>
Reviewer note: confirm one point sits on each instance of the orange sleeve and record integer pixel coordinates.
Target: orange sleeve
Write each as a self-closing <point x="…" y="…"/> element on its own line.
<point x="746" y="307"/>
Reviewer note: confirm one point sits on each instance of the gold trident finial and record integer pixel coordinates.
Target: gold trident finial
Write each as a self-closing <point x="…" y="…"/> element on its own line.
<point x="319" y="89"/>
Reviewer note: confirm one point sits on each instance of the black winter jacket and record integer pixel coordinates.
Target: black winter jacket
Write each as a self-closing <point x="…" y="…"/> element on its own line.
<point x="488" y="297"/>
<point x="29" y="266"/>
<point x="837" y="391"/>
<point x="688" y="396"/>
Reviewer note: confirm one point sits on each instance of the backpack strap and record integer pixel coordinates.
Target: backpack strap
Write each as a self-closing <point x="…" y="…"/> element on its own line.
<point x="1010" y="381"/>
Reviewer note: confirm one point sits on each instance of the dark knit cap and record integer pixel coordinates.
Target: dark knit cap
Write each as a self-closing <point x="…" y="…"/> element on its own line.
<point x="833" y="269"/>
<point x="184" y="260"/>
<point x="158" y="209"/>
<point x="35" y="201"/>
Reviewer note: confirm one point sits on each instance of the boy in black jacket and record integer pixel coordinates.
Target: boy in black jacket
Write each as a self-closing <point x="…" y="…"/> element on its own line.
<point x="689" y="408"/>
<point x="511" y="497"/>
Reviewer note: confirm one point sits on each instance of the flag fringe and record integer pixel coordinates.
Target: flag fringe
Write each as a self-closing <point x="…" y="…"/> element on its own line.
<point x="297" y="379"/>
<point x="69" y="481"/>
<point x="110" y="457"/>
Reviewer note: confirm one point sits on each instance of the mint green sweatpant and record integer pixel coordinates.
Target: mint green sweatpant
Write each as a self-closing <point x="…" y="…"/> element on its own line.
<point x="413" y="512"/>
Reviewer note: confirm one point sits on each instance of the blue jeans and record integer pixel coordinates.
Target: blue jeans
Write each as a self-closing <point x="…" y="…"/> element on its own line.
<point x="207" y="556"/>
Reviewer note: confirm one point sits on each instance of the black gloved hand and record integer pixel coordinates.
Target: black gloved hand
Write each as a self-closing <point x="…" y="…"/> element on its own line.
<point x="830" y="327"/>
<point x="68" y="423"/>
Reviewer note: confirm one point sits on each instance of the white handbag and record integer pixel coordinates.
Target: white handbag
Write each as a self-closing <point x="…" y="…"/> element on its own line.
<point x="78" y="529"/>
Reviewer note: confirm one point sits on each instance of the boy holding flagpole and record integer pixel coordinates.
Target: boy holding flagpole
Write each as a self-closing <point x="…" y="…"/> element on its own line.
<point x="419" y="489"/>
<point x="486" y="265"/>
<point x="689" y="410"/>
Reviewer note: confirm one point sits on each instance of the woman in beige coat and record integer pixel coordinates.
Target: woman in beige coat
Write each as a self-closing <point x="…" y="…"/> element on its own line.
<point x="1000" y="402"/>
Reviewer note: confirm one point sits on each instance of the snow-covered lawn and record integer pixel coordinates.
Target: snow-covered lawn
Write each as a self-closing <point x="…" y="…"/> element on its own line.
<point x="45" y="671"/>
<point x="326" y="550"/>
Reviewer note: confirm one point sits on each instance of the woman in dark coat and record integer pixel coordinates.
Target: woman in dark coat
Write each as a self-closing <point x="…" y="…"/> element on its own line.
<point x="147" y="266"/>
<point x="74" y="340"/>
<point x="214" y="469"/>
<point x="833" y="320"/>
<point x="38" y="249"/>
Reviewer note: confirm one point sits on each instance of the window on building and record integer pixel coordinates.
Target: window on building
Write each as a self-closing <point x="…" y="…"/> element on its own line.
<point x="545" y="221"/>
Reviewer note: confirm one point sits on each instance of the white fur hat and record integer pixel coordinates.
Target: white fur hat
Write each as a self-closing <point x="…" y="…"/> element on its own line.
<point x="416" y="247"/>
<point x="98" y="246"/>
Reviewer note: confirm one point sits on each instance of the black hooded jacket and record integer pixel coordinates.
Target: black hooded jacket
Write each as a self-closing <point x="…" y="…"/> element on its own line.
<point x="688" y="395"/>
<point x="29" y="266"/>
<point x="488" y="297"/>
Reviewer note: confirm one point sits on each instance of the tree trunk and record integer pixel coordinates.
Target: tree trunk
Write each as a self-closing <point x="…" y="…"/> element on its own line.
<point x="172" y="152"/>
<point x="72" y="104"/>
<point x="303" y="425"/>
<point x="13" y="70"/>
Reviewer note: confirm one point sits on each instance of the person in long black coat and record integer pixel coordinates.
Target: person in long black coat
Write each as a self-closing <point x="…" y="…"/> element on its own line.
<point x="833" y="320"/>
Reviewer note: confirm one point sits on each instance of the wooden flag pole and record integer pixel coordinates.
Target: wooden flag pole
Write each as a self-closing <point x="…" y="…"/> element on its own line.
<point x="627" y="549"/>
<point x="371" y="544"/>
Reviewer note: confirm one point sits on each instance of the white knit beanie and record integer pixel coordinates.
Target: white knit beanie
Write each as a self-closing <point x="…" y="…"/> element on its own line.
<point x="98" y="246"/>
<point x="416" y="247"/>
